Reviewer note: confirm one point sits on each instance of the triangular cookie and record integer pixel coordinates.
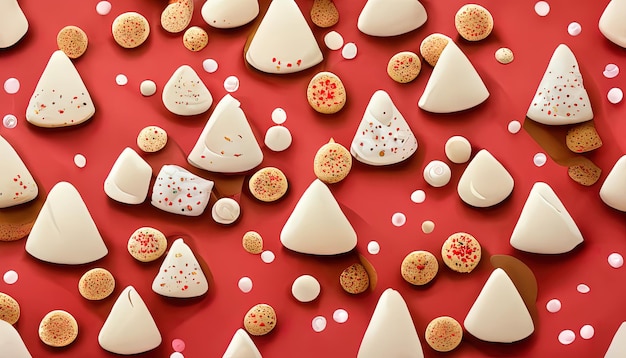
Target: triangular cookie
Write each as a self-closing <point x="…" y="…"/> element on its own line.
<point x="561" y="97"/>
<point x="612" y="191"/>
<point x="454" y="84"/>
<point x="283" y="42"/>
<point x="185" y="94"/>
<point x="612" y="24"/>
<point x="129" y="179"/>
<point x="227" y="143"/>
<point x="545" y="226"/>
<point x="485" y="181"/>
<point x="17" y="185"/>
<point x="499" y="313"/>
<point x="180" y="275"/>
<point x="391" y="17"/>
<point x="226" y="14"/>
<point x="617" y="348"/>
<point x="60" y="98"/>
<point x="129" y="328"/>
<point x="13" y="23"/>
<point x="317" y="225"/>
<point x="241" y="346"/>
<point x="384" y="136"/>
<point x="391" y="332"/>
<point x="64" y="232"/>
<point x="11" y="343"/>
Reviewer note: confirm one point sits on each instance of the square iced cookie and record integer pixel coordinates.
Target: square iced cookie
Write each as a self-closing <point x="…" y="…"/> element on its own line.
<point x="178" y="191"/>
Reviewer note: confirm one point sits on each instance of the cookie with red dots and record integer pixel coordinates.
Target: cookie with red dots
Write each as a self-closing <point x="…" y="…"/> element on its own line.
<point x="332" y="162"/>
<point x="252" y="242"/>
<point x="195" y="39"/>
<point x="96" y="284"/>
<point x="260" y="320"/>
<point x="324" y="13"/>
<point x="130" y="29"/>
<point x="444" y="334"/>
<point x="404" y="67"/>
<point x="58" y="329"/>
<point x="432" y="46"/>
<point x="326" y="93"/>
<point x="9" y="309"/>
<point x="152" y="139"/>
<point x="419" y="267"/>
<point x="584" y="172"/>
<point x="461" y="252"/>
<point x="268" y="184"/>
<point x="177" y="15"/>
<point x="583" y="138"/>
<point x="473" y="22"/>
<point x="73" y="41"/>
<point x="354" y="279"/>
<point x="147" y="244"/>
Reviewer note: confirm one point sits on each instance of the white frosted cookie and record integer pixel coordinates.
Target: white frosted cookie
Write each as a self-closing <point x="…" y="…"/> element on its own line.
<point x="391" y="17"/>
<point x="185" y="94"/>
<point x="178" y="191"/>
<point x="13" y="23"/>
<point x="180" y="275"/>
<point x="225" y="14"/>
<point x="17" y="185"/>
<point x="128" y="181"/>
<point x="485" y="181"/>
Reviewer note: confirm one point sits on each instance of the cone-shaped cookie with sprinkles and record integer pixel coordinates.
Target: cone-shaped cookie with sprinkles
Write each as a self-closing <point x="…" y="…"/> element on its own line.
<point x="180" y="275"/>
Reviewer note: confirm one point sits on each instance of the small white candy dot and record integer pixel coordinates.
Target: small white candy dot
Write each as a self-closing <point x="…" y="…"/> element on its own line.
<point x="9" y="121"/>
<point x="333" y="40"/>
<point x="278" y="138"/>
<point x="418" y="196"/>
<point x="542" y="8"/>
<point x="279" y="116"/>
<point x="10" y="277"/>
<point x="398" y="219"/>
<point x="514" y="127"/>
<point x="305" y="288"/>
<point x="582" y="288"/>
<point x="615" y="95"/>
<point x="553" y="305"/>
<point x="373" y="247"/>
<point x="231" y="84"/>
<point x="611" y="70"/>
<point x="574" y="29"/>
<point x="210" y="65"/>
<point x="349" y="51"/>
<point x="340" y="315"/>
<point x="428" y="227"/>
<point x="268" y="256"/>
<point x="587" y="331"/>
<point x="177" y="355"/>
<point x="540" y="159"/>
<point x="103" y="8"/>
<point x="616" y="260"/>
<point x="437" y="173"/>
<point x="567" y="336"/>
<point x="80" y="160"/>
<point x="121" y="80"/>
<point x="148" y="88"/>
<point x="245" y="284"/>
<point x="12" y="85"/>
<point x="318" y="323"/>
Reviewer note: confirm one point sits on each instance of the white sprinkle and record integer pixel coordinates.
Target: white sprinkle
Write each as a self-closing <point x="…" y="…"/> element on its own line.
<point x="615" y="95"/>
<point x="12" y="85"/>
<point x="279" y="116"/>
<point x="278" y="138"/>
<point x="582" y="288"/>
<point x="267" y="256"/>
<point x="121" y="80"/>
<point x="349" y="51"/>
<point x="398" y="219"/>
<point x="148" y="88"/>
<point x="418" y="196"/>
<point x="103" y="8"/>
<point x="177" y="355"/>
<point x="567" y="336"/>
<point x="210" y="65"/>
<point x="574" y="29"/>
<point x="318" y="323"/>
<point x="540" y="159"/>
<point x="333" y="40"/>
<point x="340" y="315"/>
<point x="514" y="127"/>
<point x="9" y="121"/>
<point x="373" y="247"/>
<point x="611" y="70"/>
<point x="428" y="227"/>
<point x="10" y="277"/>
<point x="587" y="331"/>
<point x="245" y="284"/>
<point x="542" y="8"/>
<point x="553" y="305"/>
<point x="231" y="84"/>
<point x="305" y="288"/>
<point x="616" y="260"/>
<point x="80" y="160"/>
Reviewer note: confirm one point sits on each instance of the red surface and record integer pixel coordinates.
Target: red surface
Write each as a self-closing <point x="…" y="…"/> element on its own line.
<point x="369" y="195"/>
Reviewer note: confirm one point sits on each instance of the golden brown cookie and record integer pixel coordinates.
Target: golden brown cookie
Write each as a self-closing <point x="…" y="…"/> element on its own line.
<point x="152" y="139"/>
<point x="260" y="320"/>
<point x="326" y="93"/>
<point x="324" y="13"/>
<point x="73" y="41"/>
<point x="583" y="138"/>
<point x="130" y="29"/>
<point x="432" y="46"/>
<point x="9" y="308"/>
<point x="473" y="22"/>
<point x="332" y="162"/>
<point x="419" y="267"/>
<point x="268" y="184"/>
<point x="195" y="39"/>
<point x="58" y="329"/>
<point x="404" y="67"/>
<point x="585" y="173"/>
<point x="444" y="333"/>
<point x="461" y="252"/>
<point x="147" y="244"/>
<point x="177" y="15"/>
<point x="252" y="242"/>
<point x="354" y="279"/>
<point x="96" y="284"/>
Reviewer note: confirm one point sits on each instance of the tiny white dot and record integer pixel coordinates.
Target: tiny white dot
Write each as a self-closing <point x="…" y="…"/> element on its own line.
<point x="210" y="65"/>
<point x="268" y="256"/>
<point x="574" y="29"/>
<point x="540" y="159"/>
<point x="553" y="305"/>
<point x="121" y="80"/>
<point x="319" y="323"/>
<point x="615" y="95"/>
<point x="245" y="284"/>
<point x="398" y="219"/>
<point x="349" y="51"/>
<point x="231" y="84"/>
<point x="514" y="127"/>
<point x="340" y="315"/>
<point x="567" y="336"/>
<point x="80" y="160"/>
<point x="373" y="247"/>
<point x="582" y="288"/>
<point x="616" y="260"/>
<point x="103" y="8"/>
<point x="12" y="85"/>
<point x="177" y="355"/>
<point x="542" y="8"/>
<point x="587" y="331"/>
<point x="279" y="116"/>
<point x="9" y="121"/>
<point x="418" y="196"/>
<point x="10" y="277"/>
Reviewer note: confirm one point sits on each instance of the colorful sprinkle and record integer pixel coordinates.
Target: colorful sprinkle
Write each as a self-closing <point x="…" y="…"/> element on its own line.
<point x="210" y="65"/>
<point x="514" y="127"/>
<point x="574" y="29"/>
<point x="121" y="80"/>
<point x="9" y="121"/>
<point x="373" y="247"/>
<point x="10" y="277"/>
<point x="340" y="315"/>
<point x="542" y="8"/>
<point x="245" y="284"/>
<point x="103" y="8"/>
<point x="12" y="85"/>
<point x="553" y="306"/>
<point x="178" y="345"/>
<point x="398" y="219"/>
<point x="582" y="288"/>
<point x="279" y="116"/>
<point x="319" y="323"/>
<point x="587" y="331"/>
<point x="231" y="84"/>
<point x="349" y="51"/>
<point x="611" y="70"/>
<point x="268" y="256"/>
<point x="616" y="260"/>
<point x="540" y="159"/>
<point x="418" y="196"/>
<point x="80" y="160"/>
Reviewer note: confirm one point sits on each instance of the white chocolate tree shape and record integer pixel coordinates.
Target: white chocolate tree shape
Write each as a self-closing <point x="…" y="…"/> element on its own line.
<point x="180" y="275"/>
<point x="612" y="191"/>
<point x="11" y="343"/>
<point x="13" y="23"/>
<point x="17" y="185"/>
<point x="241" y="346"/>
<point x="185" y="94"/>
<point x="612" y="24"/>
<point x="226" y="14"/>
<point x="391" y="17"/>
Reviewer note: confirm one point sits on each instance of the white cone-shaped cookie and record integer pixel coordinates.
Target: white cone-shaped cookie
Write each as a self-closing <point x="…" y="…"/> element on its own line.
<point x="129" y="179"/>
<point x="545" y="226"/>
<point x="485" y="182"/>
<point x="561" y="97"/>
<point x="180" y="275"/>
<point x="17" y="185"/>
<point x="283" y="42"/>
<point x="11" y="343"/>
<point x="226" y="14"/>
<point x="499" y="314"/>
<point x="391" y="17"/>
<point x="317" y="225"/>
<point x="454" y="84"/>
<point x="13" y="23"/>
<point x="391" y="332"/>
<point x="383" y="137"/>
<point x="185" y="94"/>
<point x="64" y="232"/>
<point x="612" y="24"/>
<point x="617" y="348"/>
<point x="129" y="328"/>
<point x="60" y="98"/>
<point x="227" y="143"/>
<point x="241" y="346"/>
<point x="612" y="191"/>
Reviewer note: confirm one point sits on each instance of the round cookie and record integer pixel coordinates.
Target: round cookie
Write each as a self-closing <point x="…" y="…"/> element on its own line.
<point x="326" y="93"/>
<point x="473" y="22"/>
<point x="152" y="139"/>
<point x="268" y="184"/>
<point x="260" y="320"/>
<point x="58" y="329"/>
<point x="419" y="267"/>
<point x="404" y="67"/>
<point x="324" y="13"/>
<point x="177" y="15"/>
<point x="432" y="46"/>
<point x="130" y="29"/>
<point x="73" y="41"/>
<point x="147" y="244"/>
<point x="195" y="39"/>
<point x="461" y="252"/>
<point x="354" y="279"/>
<point x="444" y="333"/>
<point x="332" y="162"/>
<point x="252" y="242"/>
<point x="504" y="55"/>
<point x="96" y="284"/>
<point x="9" y="309"/>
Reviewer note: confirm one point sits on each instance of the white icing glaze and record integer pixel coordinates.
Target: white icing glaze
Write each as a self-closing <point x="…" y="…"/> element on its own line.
<point x="612" y="191"/>
<point x="454" y="84"/>
<point x="571" y="105"/>
<point x="226" y="14"/>
<point x="499" y="313"/>
<point x="227" y="143"/>
<point x="11" y="343"/>
<point x="129" y="328"/>
<point x="391" y="17"/>
<point x="185" y="94"/>
<point x="545" y="226"/>
<point x="317" y="225"/>
<point x="180" y="275"/>
<point x="13" y="23"/>
<point x="226" y="211"/>
<point x="283" y="42"/>
<point x="129" y="179"/>
<point x="17" y="185"/>
<point x="241" y="346"/>
<point x="485" y="182"/>
<point x="60" y="98"/>
<point x="612" y="24"/>
<point x="617" y="348"/>
<point x="391" y="332"/>
<point x="179" y="191"/>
